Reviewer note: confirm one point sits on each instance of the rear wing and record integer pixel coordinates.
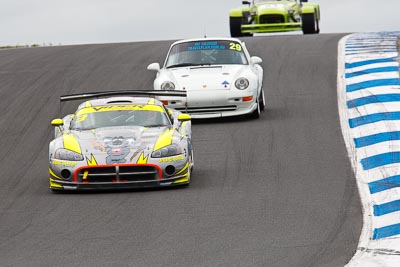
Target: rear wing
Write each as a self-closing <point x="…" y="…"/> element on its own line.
<point x="81" y="96"/>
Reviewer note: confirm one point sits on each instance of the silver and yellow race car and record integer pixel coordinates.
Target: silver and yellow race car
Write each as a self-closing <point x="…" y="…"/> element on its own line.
<point x="120" y="140"/>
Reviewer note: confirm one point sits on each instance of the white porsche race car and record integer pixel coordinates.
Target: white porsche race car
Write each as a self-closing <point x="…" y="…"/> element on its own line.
<point x="219" y="75"/>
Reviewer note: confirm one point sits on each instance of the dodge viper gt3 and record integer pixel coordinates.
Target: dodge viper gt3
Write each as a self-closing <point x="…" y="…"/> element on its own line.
<point x="219" y="75"/>
<point x="263" y="16"/>
<point x="120" y="140"/>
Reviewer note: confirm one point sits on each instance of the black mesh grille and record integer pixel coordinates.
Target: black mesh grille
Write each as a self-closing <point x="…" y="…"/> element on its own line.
<point x="265" y="19"/>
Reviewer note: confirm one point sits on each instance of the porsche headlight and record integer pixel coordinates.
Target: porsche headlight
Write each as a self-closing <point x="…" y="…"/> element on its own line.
<point x="65" y="154"/>
<point x="168" y="151"/>
<point x="242" y="83"/>
<point x="168" y="86"/>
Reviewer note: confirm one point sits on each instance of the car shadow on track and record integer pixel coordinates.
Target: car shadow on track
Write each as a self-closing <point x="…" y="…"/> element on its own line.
<point x="222" y="120"/>
<point x="122" y="190"/>
<point x="266" y="115"/>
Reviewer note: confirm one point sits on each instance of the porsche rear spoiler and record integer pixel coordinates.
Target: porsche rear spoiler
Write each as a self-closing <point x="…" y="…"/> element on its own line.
<point x="81" y="96"/>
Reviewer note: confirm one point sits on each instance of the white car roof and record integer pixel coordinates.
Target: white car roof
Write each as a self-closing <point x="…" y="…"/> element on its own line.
<point x="207" y="39"/>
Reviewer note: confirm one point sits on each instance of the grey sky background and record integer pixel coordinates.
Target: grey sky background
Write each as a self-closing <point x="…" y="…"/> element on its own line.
<point x="26" y="22"/>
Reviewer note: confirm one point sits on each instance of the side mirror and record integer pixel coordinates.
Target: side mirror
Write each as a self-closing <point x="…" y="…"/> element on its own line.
<point x="246" y="3"/>
<point x="255" y="60"/>
<point x="154" y="66"/>
<point x="57" y="122"/>
<point x="184" y="117"/>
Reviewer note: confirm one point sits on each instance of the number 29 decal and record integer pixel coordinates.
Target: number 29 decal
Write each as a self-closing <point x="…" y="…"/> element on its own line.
<point x="235" y="46"/>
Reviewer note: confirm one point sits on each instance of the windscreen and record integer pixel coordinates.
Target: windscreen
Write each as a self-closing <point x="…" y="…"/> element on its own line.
<point x="85" y="120"/>
<point x="206" y="53"/>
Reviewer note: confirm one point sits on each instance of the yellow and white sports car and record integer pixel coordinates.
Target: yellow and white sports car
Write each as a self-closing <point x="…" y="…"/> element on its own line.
<point x="120" y="141"/>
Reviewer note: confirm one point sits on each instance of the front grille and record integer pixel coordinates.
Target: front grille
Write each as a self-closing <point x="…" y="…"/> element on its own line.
<point x="266" y="19"/>
<point x="193" y="110"/>
<point x="118" y="173"/>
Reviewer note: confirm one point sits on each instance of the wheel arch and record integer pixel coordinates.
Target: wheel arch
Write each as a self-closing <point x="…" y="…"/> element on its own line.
<point x="310" y="8"/>
<point x="238" y="12"/>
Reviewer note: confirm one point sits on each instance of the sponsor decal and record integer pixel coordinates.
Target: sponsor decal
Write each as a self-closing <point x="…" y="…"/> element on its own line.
<point x="235" y="46"/>
<point x="171" y="159"/>
<point x="206" y="46"/>
<point x="64" y="163"/>
<point x="98" y="146"/>
<point x="117" y="149"/>
<point x="225" y="84"/>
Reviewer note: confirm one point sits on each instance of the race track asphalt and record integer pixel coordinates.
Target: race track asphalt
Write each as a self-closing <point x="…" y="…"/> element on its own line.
<point x="278" y="191"/>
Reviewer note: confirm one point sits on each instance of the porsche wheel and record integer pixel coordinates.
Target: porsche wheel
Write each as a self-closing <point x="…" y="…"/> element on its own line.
<point x="256" y="113"/>
<point x="310" y="24"/>
<point x="261" y="100"/>
<point x="235" y="24"/>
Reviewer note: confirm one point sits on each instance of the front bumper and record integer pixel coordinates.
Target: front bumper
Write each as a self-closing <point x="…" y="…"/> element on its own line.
<point x="214" y="103"/>
<point x="71" y="186"/>
<point x="119" y="176"/>
<point x="211" y="112"/>
<point x="271" y="27"/>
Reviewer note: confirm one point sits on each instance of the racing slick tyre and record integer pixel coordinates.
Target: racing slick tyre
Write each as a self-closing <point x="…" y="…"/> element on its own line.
<point x="310" y="24"/>
<point x="261" y="100"/>
<point x="235" y="24"/>
<point x="236" y="27"/>
<point x="192" y="163"/>
<point x="256" y="113"/>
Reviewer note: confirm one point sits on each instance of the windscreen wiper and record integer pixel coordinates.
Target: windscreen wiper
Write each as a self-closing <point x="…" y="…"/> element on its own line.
<point x="155" y="125"/>
<point x="183" y="65"/>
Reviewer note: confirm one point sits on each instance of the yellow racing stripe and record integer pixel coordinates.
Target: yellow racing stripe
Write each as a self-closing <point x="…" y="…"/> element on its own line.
<point x="185" y="178"/>
<point x="183" y="128"/>
<point x="71" y="143"/>
<point x="53" y="174"/>
<point x="164" y="140"/>
<point x="88" y="104"/>
<point x="85" y="175"/>
<point x="183" y="169"/>
<point x="182" y="180"/>
<point x="53" y="184"/>
<point x="142" y="159"/>
<point x="92" y="161"/>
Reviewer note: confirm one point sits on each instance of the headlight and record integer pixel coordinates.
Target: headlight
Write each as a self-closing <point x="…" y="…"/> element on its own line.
<point x="168" y="86"/>
<point x="167" y="151"/>
<point x="242" y="83"/>
<point x="65" y="154"/>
